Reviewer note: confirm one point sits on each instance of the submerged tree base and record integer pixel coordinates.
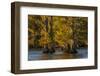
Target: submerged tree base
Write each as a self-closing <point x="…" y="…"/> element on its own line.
<point x="51" y="51"/>
<point x="47" y="51"/>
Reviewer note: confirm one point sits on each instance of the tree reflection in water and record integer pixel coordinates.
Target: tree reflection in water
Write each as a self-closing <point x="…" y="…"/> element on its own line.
<point x="39" y="55"/>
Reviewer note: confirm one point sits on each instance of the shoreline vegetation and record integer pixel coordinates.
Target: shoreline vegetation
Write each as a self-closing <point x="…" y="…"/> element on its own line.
<point x="57" y="32"/>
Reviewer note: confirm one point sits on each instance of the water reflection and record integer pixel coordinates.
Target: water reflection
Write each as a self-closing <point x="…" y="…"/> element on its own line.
<point x="39" y="55"/>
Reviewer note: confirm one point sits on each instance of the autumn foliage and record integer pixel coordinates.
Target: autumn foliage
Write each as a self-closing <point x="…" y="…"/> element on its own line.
<point x="57" y="31"/>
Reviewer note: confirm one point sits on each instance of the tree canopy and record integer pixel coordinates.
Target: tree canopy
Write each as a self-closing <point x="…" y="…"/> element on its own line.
<point x="56" y="30"/>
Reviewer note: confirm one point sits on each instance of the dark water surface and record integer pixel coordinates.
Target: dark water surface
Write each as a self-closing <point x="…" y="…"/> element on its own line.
<point x="39" y="55"/>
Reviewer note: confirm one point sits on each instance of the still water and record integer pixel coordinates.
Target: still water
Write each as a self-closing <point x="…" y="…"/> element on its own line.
<point x="39" y="55"/>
